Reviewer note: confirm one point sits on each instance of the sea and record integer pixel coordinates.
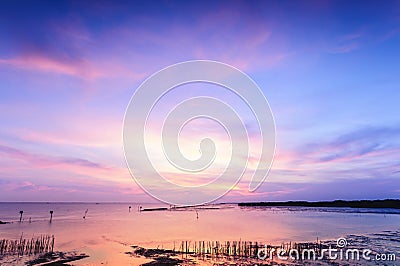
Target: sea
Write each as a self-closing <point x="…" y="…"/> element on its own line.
<point x="106" y="231"/>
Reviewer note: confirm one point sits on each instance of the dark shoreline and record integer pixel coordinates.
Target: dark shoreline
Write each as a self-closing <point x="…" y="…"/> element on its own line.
<point x="374" y="204"/>
<point x="246" y="253"/>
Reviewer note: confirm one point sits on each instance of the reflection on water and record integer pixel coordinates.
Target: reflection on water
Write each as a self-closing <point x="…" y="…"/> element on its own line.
<point x="109" y="229"/>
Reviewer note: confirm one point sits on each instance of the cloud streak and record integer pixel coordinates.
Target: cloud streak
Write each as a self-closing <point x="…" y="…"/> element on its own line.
<point x="48" y="161"/>
<point x="82" y="69"/>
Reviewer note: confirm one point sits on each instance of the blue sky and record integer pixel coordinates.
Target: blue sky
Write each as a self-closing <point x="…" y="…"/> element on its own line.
<point x="329" y="69"/>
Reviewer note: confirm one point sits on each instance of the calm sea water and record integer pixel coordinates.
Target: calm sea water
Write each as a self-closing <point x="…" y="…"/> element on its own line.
<point x="109" y="229"/>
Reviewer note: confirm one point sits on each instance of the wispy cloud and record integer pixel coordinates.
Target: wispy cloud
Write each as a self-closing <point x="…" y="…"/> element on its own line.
<point x="333" y="189"/>
<point x="359" y="143"/>
<point x="83" y="69"/>
<point x="345" y="48"/>
<point x="47" y="161"/>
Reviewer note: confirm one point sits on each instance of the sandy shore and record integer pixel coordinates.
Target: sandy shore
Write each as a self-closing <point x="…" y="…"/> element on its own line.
<point x="51" y="258"/>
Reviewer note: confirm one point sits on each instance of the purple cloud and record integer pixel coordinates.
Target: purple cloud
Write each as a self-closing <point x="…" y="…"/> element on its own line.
<point x="46" y="161"/>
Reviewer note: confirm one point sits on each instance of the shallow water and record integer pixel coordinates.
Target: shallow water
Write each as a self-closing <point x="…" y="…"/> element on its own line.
<point x="110" y="229"/>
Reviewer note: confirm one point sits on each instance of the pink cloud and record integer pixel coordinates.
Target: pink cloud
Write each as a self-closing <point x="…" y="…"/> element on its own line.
<point x="27" y="186"/>
<point x="246" y="45"/>
<point x="48" y="161"/>
<point x="346" y="48"/>
<point x="82" y="133"/>
<point x="83" y="69"/>
<point x="70" y="191"/>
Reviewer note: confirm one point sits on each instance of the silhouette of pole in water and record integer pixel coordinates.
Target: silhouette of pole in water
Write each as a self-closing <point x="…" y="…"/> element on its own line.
<point x="51" y="216"/>
<point x="84" y="217"/>
<point x="130" y="208"/>
<point x="20" y="215"/>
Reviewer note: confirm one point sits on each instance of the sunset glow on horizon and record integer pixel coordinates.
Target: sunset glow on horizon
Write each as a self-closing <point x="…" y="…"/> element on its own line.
<point x="329" y="70"/>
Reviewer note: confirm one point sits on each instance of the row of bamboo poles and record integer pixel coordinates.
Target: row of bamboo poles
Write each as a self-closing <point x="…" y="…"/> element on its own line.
<point x="220" y="249"/>
<point x="241" y="249"/>
<point x="33" y="246"/>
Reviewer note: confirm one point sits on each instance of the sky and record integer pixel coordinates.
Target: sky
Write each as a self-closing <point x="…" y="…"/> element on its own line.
<point x="330" y="71"/>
